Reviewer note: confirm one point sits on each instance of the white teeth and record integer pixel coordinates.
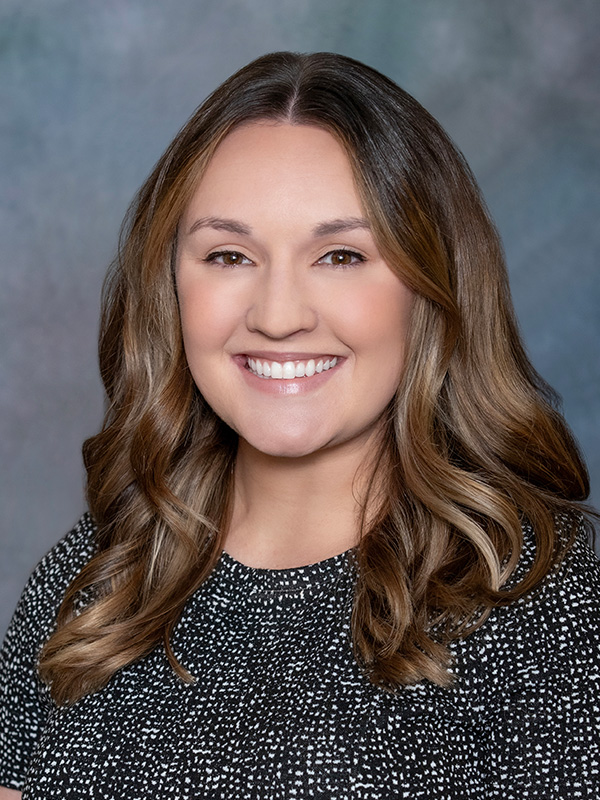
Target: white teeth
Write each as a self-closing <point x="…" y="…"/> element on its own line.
<point x="290" y="369"/>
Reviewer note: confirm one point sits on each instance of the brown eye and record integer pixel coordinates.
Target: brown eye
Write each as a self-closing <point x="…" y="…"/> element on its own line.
<point x="232" y="258"/>
<point x="228" y="258"/>
<point x="342" y="258"/>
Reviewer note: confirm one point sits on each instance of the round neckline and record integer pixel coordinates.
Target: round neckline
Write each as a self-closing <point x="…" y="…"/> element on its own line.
<point x="284" y="580"/>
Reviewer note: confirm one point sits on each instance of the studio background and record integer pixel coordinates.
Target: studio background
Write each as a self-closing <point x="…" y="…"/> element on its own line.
<point x="91" y="94"/>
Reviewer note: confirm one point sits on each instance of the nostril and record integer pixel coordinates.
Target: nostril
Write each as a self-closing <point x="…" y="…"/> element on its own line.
<point x="280" y="320"/>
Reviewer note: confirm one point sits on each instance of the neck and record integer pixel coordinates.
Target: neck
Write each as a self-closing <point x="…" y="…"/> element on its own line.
<point x="289" y="512"/>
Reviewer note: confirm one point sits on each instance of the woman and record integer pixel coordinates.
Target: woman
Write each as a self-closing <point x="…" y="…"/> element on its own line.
<point x="335" y="545"/>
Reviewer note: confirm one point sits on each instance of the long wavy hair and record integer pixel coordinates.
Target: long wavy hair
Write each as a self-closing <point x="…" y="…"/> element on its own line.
<point x="472" y="448"/>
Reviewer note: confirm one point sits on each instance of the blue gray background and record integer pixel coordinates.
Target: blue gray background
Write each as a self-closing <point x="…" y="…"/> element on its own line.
<point x="92" y="92"/>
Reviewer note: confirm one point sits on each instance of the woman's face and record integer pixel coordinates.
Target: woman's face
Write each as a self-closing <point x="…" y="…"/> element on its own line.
<point x="293" y="324"/>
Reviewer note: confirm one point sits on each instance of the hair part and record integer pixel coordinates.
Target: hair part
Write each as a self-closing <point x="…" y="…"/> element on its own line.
<point x="471" y="446"/>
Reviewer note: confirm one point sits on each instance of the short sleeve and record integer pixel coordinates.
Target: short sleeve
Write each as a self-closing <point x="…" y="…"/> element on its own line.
<point x="24" y="700"/>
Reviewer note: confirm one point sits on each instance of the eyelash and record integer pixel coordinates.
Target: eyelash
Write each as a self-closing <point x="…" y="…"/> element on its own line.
<point x="357" y="258"/>
<point x="211" y="258"/>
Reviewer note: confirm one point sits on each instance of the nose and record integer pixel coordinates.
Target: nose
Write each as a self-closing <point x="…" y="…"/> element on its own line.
<point x="281" y="304"/>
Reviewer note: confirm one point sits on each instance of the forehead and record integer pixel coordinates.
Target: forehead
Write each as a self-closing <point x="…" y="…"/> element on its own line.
<point x="280" y="165"/>
<point x="278" y="140"/>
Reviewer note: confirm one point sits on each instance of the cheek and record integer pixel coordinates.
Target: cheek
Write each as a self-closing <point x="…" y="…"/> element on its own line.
<point x="377" y="319"/>
<point x="207" y="319"/>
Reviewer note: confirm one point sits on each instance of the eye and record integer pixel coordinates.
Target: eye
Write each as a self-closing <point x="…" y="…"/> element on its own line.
<point x="228" y="258"/>
<point x="342" y="258"/>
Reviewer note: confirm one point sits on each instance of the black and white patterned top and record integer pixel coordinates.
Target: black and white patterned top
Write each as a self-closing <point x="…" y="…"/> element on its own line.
<point x="280" y="709"/>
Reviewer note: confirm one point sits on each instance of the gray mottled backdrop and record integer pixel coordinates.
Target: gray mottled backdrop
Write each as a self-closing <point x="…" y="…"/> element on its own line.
<point x="91" y="93"/>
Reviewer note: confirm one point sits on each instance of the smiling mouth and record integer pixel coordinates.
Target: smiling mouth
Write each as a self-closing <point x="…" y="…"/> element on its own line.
<point x="288" y="370"/>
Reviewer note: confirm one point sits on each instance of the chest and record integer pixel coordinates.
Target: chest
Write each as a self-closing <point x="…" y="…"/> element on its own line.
<point x="281" y="733"/>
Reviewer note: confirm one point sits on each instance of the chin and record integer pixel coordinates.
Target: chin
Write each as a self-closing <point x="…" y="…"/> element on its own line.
<point x="285" y="446"/>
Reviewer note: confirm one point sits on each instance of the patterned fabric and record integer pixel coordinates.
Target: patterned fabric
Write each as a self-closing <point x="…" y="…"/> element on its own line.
<point x="280" y="710"/>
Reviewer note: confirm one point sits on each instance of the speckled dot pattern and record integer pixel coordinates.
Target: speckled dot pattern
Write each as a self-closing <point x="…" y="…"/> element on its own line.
<point x="280" y="710"/>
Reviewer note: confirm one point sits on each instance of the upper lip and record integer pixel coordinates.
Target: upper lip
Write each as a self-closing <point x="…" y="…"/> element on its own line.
<point x="270" y="355"/>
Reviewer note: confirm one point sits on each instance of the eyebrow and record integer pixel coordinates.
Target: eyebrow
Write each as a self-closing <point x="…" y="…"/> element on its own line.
<point x="322" y="229"/>
<point x="340" y="225"/>
<point x="220" y="224"/>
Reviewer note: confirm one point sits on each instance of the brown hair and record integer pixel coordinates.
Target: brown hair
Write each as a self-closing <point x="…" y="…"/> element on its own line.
<point x="472" y="447"/>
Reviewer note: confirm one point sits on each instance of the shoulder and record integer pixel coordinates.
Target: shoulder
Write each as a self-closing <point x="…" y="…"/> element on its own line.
<point x="24" y="701"/>
<point x="530" y="679"/>
<point x="63" y="562"/>
<point x="47" y="584"/>
<point x="566" y="602"/>
<point x="66" y="559"/>
<point x="554" y="627"/>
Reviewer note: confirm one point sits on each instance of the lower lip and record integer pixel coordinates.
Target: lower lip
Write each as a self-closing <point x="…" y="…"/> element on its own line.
<point x="293" y="386"/>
